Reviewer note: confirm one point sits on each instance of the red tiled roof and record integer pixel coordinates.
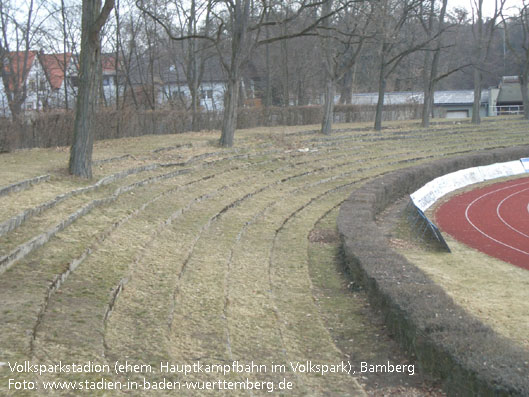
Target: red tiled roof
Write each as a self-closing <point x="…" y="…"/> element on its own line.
<point x="15" y="69"/>
<point x="54" y="67"/>
<point x="108" y="62"/>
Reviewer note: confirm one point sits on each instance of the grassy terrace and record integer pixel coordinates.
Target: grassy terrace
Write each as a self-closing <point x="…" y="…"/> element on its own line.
<point x="192" y="252"/>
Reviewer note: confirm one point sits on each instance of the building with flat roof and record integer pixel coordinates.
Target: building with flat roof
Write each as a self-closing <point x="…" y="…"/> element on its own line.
<point x="447" y="104"/>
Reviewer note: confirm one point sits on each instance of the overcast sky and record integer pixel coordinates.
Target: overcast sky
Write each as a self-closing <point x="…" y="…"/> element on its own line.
<point x="488" y="5"/>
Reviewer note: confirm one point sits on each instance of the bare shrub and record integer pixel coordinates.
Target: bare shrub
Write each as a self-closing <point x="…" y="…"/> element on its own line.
<point x="49" y="129"/>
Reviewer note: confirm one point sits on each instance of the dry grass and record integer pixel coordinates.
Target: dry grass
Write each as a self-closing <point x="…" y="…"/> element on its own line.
<point x="492" y="290"/>
<point x="355" y="328"/>
<point x="213" y="264"/>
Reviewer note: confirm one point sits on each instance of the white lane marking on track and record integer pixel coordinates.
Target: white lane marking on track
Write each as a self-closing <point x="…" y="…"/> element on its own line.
<point x="481" y="231"/>
<point x="503" y="220"/>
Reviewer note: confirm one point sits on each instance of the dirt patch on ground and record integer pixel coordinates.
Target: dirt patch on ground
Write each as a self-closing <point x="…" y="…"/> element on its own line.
<point x="324" y="236"/>
<point x="356" y="328"/>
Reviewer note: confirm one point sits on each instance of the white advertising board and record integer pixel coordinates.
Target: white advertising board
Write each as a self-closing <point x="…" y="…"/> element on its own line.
<point x="425" y="196"/>
<point x="499" y="170"/>
<point x="438" y="187"/>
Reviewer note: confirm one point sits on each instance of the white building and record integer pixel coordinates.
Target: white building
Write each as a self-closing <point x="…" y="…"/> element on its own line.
<point x="50" y="80"/>
<point x="22" y="73"/>
<point x="175" y="89"/>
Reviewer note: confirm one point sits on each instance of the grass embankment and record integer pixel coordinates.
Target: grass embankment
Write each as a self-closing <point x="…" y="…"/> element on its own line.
<point x="203" y="257"/>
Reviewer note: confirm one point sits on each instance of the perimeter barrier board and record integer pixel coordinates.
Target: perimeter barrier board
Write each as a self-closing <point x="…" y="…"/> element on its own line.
<point x="500" y="170"/>
<point x="424" y="228"/>
<point x="438" y="187"/>
<point x="427" y="195"/>
<point x="525" y="163"/>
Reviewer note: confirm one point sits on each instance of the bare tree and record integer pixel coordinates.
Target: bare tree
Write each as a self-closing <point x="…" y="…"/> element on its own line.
<point x="436" y="25"/>
<point x="393" y="18"/>
<point x="483" y="33"/>
<point x="287" y="73"/>
<point x="241" y="43"/>
<point x="238" y="29"/>
<point x="431" y="60"/>
<point x="62" y="35"/>
<point x="194" y="51"/>
<point x="341" y="44"/>
<point x="117" y="62"/>
<point x="19" y="29"/>
<point x="520" y="48"/>
<point x="93" y="19"/>
<point x="128" y="28"/>
<point x="65" y="49"/>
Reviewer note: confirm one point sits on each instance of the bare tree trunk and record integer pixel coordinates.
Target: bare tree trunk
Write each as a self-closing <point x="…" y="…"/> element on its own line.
<point x="15" y="107"/>
<point x="65" y="50"/>
<point x="330" y="74"/>
<point x="117" y="64"/>
<point x="268" y="89"/>
<point x="194" y="109"/>
<point x="241" y="16"/>
<point x="286" y="77"/>
<point x="328" y="107"/>
<point x="483" y="36"/>
<point x="521" y="54"/>
<point x="381" y="91"/>
<point x="524" y="84"/>
<point x="89" y="79"/>
<point x="380" y="104"/>
<point x="476" y="117"/>
<point x="193" y="79"/>
<point x="15" y="86"/>
<point x="229" y="120"/>
<point x="429" y="73"/>
<point x="301" y="93"/>
<point x="81" y="151"/>
<point x="193" y="72"/>
<point x="427" y="87"/>
<point x="429" y="90"/>
<point x="241" y="100"/>
<point x="427" y="107"/>
<point x="346" y="90"/>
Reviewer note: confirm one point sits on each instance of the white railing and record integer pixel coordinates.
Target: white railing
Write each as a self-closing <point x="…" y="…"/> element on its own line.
<point x="508" y="109"/>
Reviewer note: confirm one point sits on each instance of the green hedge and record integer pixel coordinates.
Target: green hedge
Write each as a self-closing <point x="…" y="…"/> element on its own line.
<point x="468" y="356"/>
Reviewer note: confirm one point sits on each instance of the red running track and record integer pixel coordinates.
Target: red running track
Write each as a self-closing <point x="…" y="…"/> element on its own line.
<point x="492" y="219"/>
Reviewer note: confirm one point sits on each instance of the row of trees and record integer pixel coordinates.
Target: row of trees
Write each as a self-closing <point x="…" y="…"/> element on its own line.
<point x="296" y="52"/>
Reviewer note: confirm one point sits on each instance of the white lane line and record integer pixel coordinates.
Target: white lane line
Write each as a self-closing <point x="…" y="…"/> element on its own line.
<point x="498" y="207"/>
<point x="481" y="231"/>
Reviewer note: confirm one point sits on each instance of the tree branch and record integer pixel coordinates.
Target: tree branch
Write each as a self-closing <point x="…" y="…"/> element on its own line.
<point x="103" y="15"/>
